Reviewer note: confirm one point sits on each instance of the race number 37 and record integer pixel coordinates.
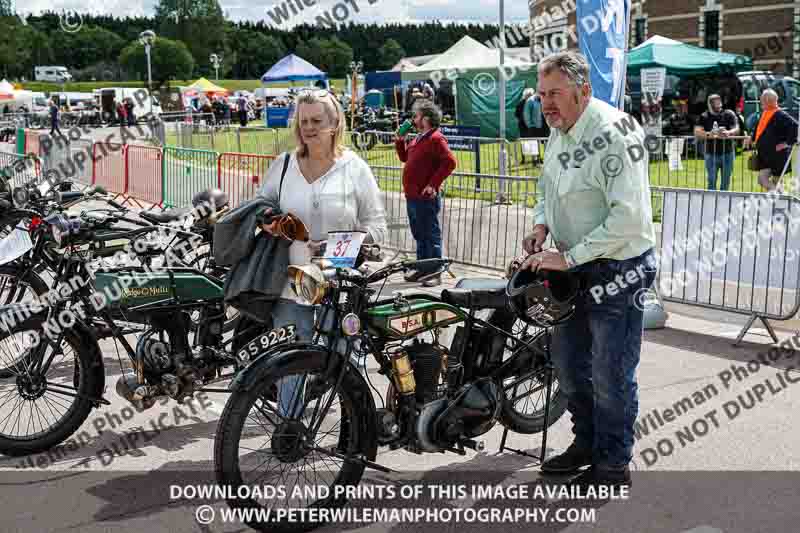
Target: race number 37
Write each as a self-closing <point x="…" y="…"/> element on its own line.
<point x="343" y="246"/>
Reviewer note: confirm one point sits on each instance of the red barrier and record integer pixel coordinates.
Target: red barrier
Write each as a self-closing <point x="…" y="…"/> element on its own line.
<point x="32" y="143"/>
<point x="145" y="174"/>
<point x="242" y="175"/>
<point x="109" y="168"/>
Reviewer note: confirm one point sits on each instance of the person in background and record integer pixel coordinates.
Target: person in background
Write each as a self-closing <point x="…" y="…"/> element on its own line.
<point x="6" y="110"/>
<point x="720" y="151"/>
<point x="679" y="123"/>
<point x="330" y="188"/>
<point x="259" y="108"/>
<point x="129" y="112"/>
<point x="242" y="105"/>
<point x="428" y="162"/>
<point x="121" y="114"/>
<point x="774" y="135"/>
<point x="428" y="92"/>
<point x="226" y="111"/>
<point x="535" y="122"/>
<point x="54" y="116"/>
<point x="601" y="227"/>
<point x="519" y="112"/>
<point x="219" y="114"/>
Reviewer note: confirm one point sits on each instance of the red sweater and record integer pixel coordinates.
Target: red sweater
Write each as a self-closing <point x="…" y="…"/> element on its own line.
<point x="429" y="161"/>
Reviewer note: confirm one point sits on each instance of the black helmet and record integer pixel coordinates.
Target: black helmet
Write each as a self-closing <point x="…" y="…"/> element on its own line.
<point x="543" y="298"/>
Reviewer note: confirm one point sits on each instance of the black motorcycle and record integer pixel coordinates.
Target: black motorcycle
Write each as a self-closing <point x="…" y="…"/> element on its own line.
<point x="304" y="414"/>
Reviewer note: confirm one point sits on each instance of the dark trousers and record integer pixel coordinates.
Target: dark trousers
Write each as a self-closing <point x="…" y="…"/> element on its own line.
<point x="54" y="129"/>
<point x="596" y="354"/>
<point x="423" y="218"/>
<point x="243" y="118"/>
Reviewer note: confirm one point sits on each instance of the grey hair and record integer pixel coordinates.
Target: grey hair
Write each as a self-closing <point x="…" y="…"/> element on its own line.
<point x="711" y="97"/>
<point x="772" y="95"/>
<point x="430" y="111"/>
<point x="527" y="93"/>
<point x="572" y="64"/>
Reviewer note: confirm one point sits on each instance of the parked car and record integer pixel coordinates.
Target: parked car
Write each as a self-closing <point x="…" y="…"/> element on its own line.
<point x="754" y="83"/>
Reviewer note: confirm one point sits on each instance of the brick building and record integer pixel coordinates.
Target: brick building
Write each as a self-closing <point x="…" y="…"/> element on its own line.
<point x="766" y="30"/>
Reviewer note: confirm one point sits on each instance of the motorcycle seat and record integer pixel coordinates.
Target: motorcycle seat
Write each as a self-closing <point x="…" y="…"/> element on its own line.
<point x="217" y="198"/>
<point x="164" y="217"/>
<point x="477" y="293"/>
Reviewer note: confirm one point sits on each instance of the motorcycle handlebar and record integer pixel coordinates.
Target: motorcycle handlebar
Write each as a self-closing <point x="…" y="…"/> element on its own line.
<point x="116" y="205"/>
<point x="404" y="266"/>
<point x="122" y="235"/>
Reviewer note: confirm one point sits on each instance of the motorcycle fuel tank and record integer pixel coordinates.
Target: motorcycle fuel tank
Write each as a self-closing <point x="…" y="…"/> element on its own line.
<point x="138" y="287"/>
<point x="414" y="316"/>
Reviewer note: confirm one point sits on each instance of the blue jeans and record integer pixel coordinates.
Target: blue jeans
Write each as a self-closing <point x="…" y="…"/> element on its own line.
<point x="284" y="313"/>
<point x="423" y="218"/>
<point x="720" y="161"/>
<point x="596" y="354"/>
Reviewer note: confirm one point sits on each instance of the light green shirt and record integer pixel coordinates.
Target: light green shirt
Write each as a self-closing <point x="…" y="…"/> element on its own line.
<point x="599" y="205"/>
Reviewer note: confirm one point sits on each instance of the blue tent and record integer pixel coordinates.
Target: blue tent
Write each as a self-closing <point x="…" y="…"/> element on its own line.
<point x="293" y="68"/>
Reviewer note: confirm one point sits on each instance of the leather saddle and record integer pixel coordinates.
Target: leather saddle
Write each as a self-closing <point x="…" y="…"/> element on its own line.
<point x="477" y="293"/>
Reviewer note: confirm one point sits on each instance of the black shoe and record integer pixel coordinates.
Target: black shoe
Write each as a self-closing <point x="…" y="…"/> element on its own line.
<point x="432" y="282"/>
<point x="568" y="462"/>
<point x="596" y="476"/>
<point x="413" y="277"/>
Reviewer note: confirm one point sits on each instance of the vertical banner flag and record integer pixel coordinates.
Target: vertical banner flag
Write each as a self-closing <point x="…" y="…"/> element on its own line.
<point x="603" y="35"/>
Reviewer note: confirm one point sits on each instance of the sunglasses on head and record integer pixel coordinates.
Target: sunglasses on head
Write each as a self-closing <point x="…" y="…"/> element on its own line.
<point x="319" y="93"/>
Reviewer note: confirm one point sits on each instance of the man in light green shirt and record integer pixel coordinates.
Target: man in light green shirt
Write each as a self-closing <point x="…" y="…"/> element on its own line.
<point x="594" y="201"/>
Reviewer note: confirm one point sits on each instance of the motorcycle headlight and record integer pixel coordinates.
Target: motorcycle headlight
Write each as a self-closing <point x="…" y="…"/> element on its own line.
<point x="308" y="283"/>
<point x="61" y="228"/>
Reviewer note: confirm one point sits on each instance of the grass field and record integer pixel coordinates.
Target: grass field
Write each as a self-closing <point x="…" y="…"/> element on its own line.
<point x="88" y="86"/>
<point x="692" y="175"/>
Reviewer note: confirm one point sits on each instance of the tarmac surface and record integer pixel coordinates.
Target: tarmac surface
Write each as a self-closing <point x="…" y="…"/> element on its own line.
<point x="732" y="470"/>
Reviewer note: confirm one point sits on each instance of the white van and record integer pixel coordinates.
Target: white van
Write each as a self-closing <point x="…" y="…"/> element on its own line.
<point x="56" y="74"/>
<point x="144" y="103"/>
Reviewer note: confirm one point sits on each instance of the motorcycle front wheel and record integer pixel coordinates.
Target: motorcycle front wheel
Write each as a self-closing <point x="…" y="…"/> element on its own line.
<point x="39" y="410"/>
<point x="258" y="444"/>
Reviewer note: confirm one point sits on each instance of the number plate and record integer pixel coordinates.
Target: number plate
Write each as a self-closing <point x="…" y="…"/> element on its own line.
<point x="343" y="246"/>
<point x="265" y="341"/>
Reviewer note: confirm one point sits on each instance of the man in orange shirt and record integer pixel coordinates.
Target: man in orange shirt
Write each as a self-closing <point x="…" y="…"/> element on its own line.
<point x="774" y="136"/>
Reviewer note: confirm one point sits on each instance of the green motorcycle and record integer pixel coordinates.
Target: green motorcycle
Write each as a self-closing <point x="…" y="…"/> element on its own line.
<point x="54" y="370"/>
<point x="304" y="414"/>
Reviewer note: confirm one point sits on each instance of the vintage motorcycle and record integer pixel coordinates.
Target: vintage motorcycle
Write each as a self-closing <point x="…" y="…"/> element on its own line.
<point x="304" y="413"/>
<point x="54" y="373"/>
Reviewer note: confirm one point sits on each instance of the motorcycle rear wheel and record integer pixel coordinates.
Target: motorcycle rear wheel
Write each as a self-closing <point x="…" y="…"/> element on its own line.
<point x="523" y="406"/>
<point x="250" y="415"/>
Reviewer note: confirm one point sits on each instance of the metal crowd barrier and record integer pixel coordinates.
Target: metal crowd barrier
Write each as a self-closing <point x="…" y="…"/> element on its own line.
<point x="242" y="175"/>
<point x="20" y="169"/>
<point x="109" y="167"/>
<point x="476" y="230"/>
<point x="731" y="251"/>
<point x="144" y="166"/>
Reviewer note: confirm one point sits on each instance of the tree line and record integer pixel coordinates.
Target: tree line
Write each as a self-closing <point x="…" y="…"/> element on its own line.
<point x="189" y="31"/>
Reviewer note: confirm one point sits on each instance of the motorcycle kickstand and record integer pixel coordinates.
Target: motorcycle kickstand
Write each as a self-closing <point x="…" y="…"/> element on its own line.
<point x="549" y="368"/>
<point x="366" y="462"/>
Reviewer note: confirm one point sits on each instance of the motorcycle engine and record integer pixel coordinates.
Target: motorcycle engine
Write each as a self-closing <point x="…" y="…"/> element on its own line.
<point x="427" y="360"/>
<point x="154" y="350"/>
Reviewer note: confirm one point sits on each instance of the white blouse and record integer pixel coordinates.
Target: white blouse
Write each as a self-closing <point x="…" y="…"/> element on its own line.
<point x="345" y="198"/>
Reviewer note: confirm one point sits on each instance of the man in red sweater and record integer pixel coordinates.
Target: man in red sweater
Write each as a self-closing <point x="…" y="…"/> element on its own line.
<point x="428" y="162"/>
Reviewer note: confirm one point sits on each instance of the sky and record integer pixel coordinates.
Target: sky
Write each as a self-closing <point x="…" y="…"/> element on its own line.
<point x="479" y="11"/>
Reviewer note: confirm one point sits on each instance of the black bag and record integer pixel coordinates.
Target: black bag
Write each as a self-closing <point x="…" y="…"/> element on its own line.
<point x="752" y="161"/>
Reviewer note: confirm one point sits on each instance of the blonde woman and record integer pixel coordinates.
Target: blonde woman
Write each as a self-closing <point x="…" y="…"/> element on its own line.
<point x="329" y="188"/>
